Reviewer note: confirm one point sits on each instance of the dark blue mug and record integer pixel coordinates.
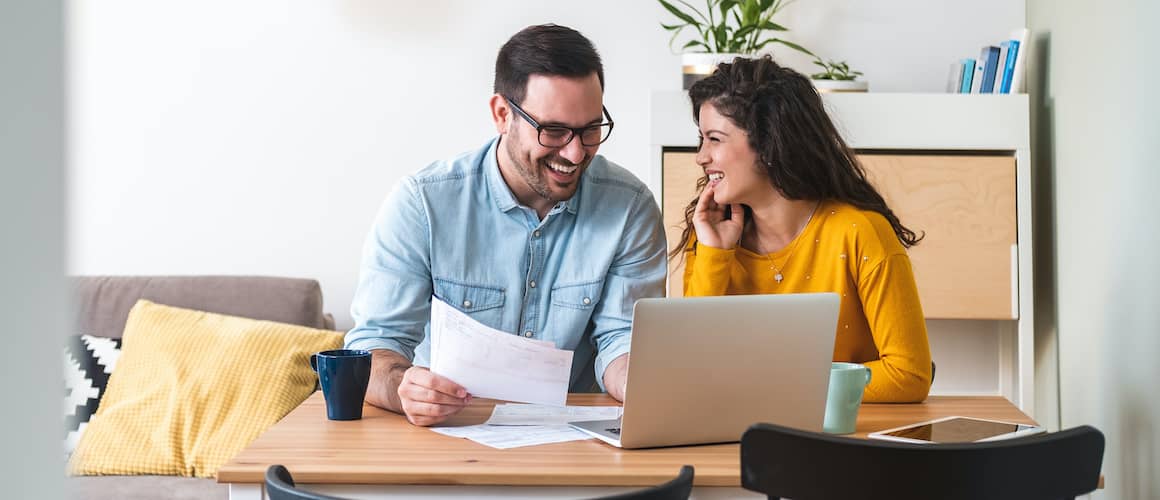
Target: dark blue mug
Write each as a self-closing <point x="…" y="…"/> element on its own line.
<point x="344" y="375"/>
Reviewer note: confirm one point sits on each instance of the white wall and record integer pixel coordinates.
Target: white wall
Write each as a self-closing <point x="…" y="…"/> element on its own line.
<point x="35" y="315"/>
<point x="1099" y="130"/>
<point x="259" y="137"/>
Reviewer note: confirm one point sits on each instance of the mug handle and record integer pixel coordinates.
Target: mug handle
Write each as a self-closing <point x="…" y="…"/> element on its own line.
<point x="314" y="362"/>
<point x="868" y="374"/>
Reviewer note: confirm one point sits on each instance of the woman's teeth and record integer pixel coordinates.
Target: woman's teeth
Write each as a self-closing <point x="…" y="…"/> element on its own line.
<point x="563" y="169"/>
<point x="716" y="176"/>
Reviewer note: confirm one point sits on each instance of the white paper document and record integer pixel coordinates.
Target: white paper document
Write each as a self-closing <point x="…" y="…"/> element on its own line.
<point x="521" y="414"/>
<point x="497" y="365"/>
<point x="504" y="437"/>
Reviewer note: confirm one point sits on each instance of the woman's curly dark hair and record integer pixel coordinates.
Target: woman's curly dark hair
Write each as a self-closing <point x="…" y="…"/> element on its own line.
<point x="803" y="154"/>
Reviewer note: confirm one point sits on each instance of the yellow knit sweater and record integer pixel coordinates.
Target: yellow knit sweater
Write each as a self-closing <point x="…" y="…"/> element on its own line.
<point x="856" y="254"/>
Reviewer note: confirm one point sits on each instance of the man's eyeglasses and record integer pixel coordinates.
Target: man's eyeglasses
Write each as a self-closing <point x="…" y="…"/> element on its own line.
<point x="558" y="136"/>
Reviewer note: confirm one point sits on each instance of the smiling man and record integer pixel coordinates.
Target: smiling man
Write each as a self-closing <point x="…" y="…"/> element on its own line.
<point x="533" y="234"/>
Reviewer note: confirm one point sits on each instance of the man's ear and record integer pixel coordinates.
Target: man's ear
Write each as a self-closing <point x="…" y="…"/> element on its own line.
<point x="501" y="113"/>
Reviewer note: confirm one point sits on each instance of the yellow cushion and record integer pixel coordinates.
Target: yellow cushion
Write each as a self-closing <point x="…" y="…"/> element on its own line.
<point x="192" y="388"/>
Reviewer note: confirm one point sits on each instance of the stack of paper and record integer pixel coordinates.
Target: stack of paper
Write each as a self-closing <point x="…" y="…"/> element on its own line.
<point x="512" y="414"/>
<point x="497" y="365"/>
<point x="515" y="425"/>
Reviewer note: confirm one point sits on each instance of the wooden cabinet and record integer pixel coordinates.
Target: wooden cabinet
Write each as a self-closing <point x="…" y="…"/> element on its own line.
<point x="966" y="265"/>
<point x="956" y="167"/>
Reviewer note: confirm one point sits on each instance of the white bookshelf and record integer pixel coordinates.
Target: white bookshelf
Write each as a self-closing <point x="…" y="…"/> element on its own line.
<point x="973" y="356"/>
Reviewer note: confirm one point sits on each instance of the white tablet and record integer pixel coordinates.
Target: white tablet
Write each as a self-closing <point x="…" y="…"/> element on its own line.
<point x="956" y="430"/>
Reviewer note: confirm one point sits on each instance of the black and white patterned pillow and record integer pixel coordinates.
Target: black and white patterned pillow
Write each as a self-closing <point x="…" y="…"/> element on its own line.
<point x="88" y="362"/>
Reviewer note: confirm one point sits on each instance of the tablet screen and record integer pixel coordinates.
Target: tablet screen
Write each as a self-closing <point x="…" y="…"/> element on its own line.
<point x="957" y="430"/>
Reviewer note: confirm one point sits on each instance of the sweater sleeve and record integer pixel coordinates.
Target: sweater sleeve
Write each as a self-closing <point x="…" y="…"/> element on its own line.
<point x="707" y="271"/>
<point x="902" y="374"/>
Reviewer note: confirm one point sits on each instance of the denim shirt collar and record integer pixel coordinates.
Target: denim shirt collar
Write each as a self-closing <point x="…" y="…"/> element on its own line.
<point x="505" y="200"/>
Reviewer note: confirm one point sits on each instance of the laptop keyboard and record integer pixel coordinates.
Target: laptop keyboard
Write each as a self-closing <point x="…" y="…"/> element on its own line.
<point x="614" y="430"/>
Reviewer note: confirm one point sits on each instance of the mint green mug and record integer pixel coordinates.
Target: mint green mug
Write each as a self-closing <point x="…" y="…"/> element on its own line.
<point x="847" y="381"/>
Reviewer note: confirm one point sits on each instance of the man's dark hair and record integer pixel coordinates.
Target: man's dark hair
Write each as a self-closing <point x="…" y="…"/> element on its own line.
<point x="545" y="49"/>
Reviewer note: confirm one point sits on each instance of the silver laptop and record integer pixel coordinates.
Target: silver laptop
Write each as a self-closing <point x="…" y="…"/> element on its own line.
<point x="703" y="369"/>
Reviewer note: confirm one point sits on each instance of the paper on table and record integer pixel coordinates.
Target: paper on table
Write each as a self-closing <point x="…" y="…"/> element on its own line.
<point x="493" y="364"/>
<point x="520" y="414"/>
<point x="504" y="437"/>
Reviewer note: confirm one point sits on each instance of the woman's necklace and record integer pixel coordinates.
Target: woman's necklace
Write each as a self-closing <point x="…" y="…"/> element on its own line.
<point x="773" y="265"/>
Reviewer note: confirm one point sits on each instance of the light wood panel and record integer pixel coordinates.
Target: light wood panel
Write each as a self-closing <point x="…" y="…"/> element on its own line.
<point x="678" y="188"/>
<point x="965" y="204"/>
<point x="383" y="448"/>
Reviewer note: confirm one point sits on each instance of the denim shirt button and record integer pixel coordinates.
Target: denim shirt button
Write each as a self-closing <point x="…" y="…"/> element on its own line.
<point x="532" y="284"/>
<point x="467" y="304"/>
<point x="528" y="334"/>
<point x="536" y="234"/>
<point x="587" y="301"/>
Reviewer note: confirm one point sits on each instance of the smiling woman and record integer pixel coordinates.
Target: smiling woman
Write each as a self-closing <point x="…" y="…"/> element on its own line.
<point x="785" y="207"/>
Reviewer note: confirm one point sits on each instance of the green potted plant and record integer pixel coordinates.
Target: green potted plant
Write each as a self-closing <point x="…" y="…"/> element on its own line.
<point x="725" y="29"/>
<point x="836" y="76"/>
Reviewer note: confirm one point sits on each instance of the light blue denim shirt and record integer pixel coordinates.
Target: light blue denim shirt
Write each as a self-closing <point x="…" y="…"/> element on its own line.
<point x="455" y="230"/>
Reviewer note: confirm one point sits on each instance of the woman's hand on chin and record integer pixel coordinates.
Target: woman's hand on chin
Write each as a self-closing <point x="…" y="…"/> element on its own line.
<point x="709" y="221"/>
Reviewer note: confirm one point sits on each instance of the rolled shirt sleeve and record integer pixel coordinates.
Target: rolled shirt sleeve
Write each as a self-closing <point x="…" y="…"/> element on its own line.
<point x="638" y="271"/>
<point x="391" y="306"/>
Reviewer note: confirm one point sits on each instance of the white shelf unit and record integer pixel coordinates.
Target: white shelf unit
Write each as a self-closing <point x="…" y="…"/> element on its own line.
<point x="973" y="356"/>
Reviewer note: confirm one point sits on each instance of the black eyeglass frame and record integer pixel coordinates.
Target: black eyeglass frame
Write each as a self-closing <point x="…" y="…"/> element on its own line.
<point x="574" y="132"/>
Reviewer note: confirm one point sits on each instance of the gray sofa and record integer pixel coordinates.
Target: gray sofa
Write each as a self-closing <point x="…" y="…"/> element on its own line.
<point x="102" y="305"/>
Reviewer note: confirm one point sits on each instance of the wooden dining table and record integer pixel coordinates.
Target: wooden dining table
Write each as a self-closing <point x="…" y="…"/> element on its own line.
<point x="384" y="456"/>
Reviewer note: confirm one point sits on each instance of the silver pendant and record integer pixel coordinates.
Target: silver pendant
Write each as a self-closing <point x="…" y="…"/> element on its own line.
<point x="777" y="277"/>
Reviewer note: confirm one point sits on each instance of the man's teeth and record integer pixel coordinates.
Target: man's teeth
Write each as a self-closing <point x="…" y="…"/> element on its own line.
<point x="563" y="169"/>
<point x="716" y="176"/>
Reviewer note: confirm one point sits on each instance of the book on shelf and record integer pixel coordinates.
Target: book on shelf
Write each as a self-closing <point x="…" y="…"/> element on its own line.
<point x="1009" y="66"/>
<point x="1003" y="73"/>
<point x="955" y="78"/>
<point x="989" y="58"/>
<point x="977" y="80"/>
<point x="1018" y="74"/>
<point x="999" y="69"/>
<point x="968" y="76"/>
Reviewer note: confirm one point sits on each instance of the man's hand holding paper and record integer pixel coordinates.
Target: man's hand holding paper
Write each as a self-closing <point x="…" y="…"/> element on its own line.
<point x="493" y="364"/>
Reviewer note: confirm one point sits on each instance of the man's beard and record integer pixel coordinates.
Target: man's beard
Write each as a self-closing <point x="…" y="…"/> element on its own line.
<point x="535" y="175"/>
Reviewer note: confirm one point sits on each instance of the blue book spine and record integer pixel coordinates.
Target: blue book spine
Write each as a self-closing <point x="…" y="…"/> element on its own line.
<point x="989" y="58"/>
<point x="1009" y="67"/>
<point x="968" y="75"/>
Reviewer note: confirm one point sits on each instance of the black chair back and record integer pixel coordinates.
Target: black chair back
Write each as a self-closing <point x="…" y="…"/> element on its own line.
<point x="280" y="486"/>
<point x="789" y="463"/>
<point x="678" y="489"/>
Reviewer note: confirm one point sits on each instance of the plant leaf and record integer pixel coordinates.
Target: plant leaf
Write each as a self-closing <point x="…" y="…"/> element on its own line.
<point x="677" y="12"/>
<point x="750" y="11"/>
<point x="695" y="43"/>
<point x="674" y="37"/>
<point x="725" y="6"/>
<point x="791" y="45"/>
<point x="696" y="11"/>
<point x="721" y="37"/>
<point x="770" y="25"/>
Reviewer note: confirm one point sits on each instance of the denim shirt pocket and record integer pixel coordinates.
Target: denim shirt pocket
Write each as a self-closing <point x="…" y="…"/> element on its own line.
<point x="484" y="303"/>
<point x="571" y="312"/>
<point x="583" y="296"/>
